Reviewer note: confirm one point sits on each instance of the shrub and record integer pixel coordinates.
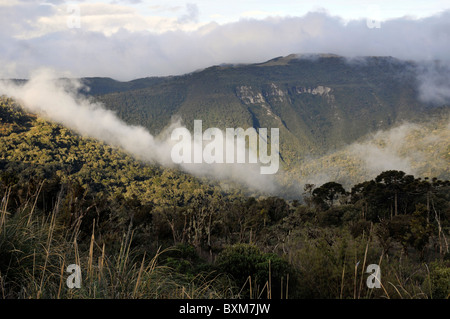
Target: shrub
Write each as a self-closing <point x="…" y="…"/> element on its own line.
<point x="244" y="262"/>
<point x="440" y="281"/>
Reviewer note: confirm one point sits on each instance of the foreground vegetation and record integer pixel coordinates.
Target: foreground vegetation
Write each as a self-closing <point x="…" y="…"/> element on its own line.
<point x="141" y="231"/>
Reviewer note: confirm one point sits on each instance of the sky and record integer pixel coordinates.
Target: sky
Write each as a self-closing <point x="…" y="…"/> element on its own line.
<point x="128" y="39"/>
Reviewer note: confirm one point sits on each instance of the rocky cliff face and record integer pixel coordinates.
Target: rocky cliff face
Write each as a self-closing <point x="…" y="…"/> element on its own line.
<point x="249" y="95"/>
<point x="252" y="96"/>
<point x="276" y="94"/>
<point x="273" y="94"/>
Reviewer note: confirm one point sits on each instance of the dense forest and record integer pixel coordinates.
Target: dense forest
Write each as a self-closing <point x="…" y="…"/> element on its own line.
<point x="144" y="231"/>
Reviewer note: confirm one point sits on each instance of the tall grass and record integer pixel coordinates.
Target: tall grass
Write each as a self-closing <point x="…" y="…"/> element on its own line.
<point x="337" y="270"/>
<point x="36" y="248"/>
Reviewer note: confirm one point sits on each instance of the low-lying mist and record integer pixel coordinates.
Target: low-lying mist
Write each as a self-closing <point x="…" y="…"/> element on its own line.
<point x="58" y="101"/>
<point x="420" y="149"/>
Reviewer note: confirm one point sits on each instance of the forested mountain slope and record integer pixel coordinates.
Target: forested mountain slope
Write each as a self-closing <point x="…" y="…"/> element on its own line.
<point x="321" y="104"/>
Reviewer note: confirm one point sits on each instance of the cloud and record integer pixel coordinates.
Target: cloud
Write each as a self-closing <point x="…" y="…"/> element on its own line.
<point x="434" y="82"/>
<point x="382" y="151"/>
<point x="41" y="19"/>
<point x="115" y="40"/>
<point x="420" y="149"/>
<point x="191" y="15"/>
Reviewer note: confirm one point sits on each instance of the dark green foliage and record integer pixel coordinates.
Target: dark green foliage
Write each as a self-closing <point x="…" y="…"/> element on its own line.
<point x="184" y="259"/>
<point x="248" y="265"/>
<point x="326" y="195"/>
<point x="440" y="280"/>
<point x="336" y="216"/>
<point x="420" y="230"/>
<point x="360" y="227"/>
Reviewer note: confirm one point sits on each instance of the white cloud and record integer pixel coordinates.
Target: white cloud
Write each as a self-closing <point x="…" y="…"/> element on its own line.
<point x="259" y="14"/>
<point x="31" y="20"/>
<point x="191" y="15"/>
<point x="116" y="40"/>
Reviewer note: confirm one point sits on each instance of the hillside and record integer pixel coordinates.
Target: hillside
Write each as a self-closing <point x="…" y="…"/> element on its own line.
<point x="320" y="103"/>
<point x="33" y="148"/>
<point x="421" y="149"/>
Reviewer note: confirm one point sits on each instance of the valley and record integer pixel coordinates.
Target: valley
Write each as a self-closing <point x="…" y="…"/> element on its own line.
<point x="363" y="176"/>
